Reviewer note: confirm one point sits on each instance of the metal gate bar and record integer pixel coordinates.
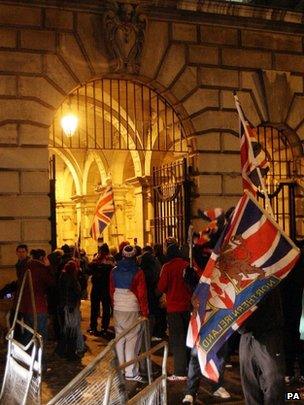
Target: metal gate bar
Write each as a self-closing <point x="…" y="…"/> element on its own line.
<point x="121" y="115"/>
<point x="171" y="201"/>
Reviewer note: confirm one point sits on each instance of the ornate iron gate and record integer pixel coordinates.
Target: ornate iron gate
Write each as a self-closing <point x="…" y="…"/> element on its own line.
<point x="280" y="184"/>
<point x="171" y="189"/>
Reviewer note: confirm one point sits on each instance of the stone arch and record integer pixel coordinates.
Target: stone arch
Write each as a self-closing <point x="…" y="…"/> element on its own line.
<point x="274" y="99"/>
<point x="73" y="168"/>
<point x="90" y="158"/>
<point x="68" y="182"/>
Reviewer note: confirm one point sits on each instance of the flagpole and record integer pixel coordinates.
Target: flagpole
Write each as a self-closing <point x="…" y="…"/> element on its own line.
<point x="116" y="223"/>
<point x="190" y="243"/>
<point x="243" y="121"/>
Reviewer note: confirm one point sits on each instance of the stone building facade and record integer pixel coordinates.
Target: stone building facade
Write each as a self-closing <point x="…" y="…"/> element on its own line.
<point x="192" y="53"/>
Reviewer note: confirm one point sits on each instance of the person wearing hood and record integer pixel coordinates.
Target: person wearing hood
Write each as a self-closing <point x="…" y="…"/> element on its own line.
<point x="121" y="246"/>
<point x="129" y="297"/>
<point x="172" y="283"/>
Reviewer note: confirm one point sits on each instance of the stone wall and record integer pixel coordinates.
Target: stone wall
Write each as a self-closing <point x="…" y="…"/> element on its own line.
<point x="195" y="57"/>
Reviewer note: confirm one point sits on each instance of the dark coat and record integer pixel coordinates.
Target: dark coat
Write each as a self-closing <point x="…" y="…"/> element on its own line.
<point x="42" y="281"/>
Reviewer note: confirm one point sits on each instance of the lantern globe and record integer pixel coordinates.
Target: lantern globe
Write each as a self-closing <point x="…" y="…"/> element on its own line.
<point x="69" y="124"/>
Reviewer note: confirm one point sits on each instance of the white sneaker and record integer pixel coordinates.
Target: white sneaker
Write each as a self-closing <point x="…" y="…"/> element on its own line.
<point x="156" y="339"/>
<point x="221" y="393"/>
<point x="137" y="378"/>
<point x="289" y="379"/>
<point x="188" y="400"/>
<point x="174" y="378"/>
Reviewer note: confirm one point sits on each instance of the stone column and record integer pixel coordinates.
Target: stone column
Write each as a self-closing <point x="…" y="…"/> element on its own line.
<point x="143" y="208"/>
<point x="117" y="231"/>
<point x="66" y="217"/>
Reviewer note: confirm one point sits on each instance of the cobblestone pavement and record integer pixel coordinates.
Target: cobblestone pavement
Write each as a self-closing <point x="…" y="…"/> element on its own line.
<point x="60" y="372"/>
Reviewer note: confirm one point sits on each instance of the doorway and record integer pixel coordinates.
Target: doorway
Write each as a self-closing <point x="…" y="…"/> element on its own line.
<point x="124" y="130"/>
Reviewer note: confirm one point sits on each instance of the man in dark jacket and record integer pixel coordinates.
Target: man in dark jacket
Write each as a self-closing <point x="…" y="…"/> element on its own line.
<point x="291" y="291"/>
<point x="149" y="265"/>
<point x="23" y="259"/>
<point x="261" y="353"/>
<point x="100" y="269"/>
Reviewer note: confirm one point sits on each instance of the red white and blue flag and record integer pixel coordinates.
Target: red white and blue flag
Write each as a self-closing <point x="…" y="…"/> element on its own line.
<point x="252" y="256"/>
<point x="253" y="158"/>
<point x="103" y="213"/>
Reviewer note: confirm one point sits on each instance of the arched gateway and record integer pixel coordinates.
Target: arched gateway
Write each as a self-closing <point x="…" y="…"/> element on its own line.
<point x="130" y="137"/>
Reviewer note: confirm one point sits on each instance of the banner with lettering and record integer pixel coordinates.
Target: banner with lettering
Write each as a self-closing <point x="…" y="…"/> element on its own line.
<point x="252" y="256"/>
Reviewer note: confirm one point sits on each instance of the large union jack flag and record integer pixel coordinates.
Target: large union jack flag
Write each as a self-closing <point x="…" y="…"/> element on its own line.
<point x="253" y="158"/>
<point x="252" y="256"/>
<point x="103" y="213"/>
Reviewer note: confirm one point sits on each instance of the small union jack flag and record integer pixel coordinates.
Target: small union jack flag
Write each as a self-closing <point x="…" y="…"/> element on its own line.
<point x="103" y="213"/>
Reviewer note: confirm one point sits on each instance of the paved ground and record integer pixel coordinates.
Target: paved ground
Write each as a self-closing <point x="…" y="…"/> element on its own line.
<point x="60" y="372"/>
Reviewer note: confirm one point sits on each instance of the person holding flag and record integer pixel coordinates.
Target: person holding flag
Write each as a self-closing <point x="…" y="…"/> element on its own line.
<point x="103" y="213"/>
<point x="248" y="262"/>
<point x="261" y="346"/>
<point x="201" y="253"/>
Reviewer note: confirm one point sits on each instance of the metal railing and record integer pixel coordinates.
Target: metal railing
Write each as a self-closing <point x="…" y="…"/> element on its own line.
<point x="101" y="382"/>
<point x="22" y="377"/>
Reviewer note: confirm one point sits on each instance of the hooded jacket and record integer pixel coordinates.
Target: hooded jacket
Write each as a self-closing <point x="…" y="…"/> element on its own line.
<point x="127" y="277"/>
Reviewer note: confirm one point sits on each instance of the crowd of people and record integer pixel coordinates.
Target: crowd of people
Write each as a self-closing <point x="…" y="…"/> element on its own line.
<point x="132" y="282"/>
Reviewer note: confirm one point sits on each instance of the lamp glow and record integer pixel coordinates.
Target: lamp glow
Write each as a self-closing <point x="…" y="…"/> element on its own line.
<point x="69" y="123"/>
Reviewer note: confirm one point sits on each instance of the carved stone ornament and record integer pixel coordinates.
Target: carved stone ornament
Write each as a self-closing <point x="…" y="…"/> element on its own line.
<point x="124" y="28"/>
<point x="169" y="189"/>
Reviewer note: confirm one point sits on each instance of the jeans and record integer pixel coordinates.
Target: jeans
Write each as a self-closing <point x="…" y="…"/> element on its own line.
<point x="98" y="296"/>
<point x="262" y="369"/>
<point x="178" y="326"/>
<point x="41" y="327"/>
<point x="194" y="375"/>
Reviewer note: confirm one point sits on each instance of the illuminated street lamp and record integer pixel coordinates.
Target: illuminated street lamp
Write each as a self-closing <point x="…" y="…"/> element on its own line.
<point x="69" y="123"/>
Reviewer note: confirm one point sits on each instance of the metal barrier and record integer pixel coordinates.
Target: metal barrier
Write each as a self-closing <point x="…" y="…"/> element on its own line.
<point x="22" y="378"/>
<point x="96" y="384"/>
<point x="102" y="382"/>
<point x="156" y="392"/>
